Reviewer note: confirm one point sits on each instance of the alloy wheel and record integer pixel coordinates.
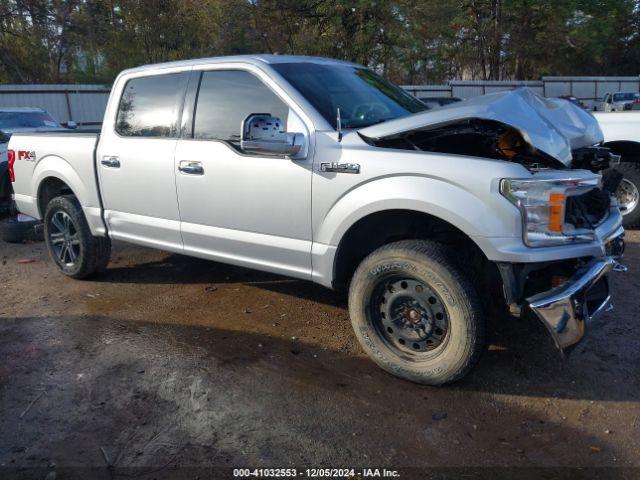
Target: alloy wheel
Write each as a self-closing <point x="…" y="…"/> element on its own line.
<point x="64" y="238"/>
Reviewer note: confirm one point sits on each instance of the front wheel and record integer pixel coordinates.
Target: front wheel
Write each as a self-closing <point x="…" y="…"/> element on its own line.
<point x="416" y="314"/>
<point x="76" y="252"/>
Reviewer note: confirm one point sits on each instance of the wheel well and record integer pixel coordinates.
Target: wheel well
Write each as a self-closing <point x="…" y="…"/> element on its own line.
<point x="630" y="151"/>
<point x="380" y="228"/>
<point x="50" y="188"/>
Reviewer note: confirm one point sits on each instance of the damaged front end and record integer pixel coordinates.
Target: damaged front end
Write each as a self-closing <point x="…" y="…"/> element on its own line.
<point x="567" y="309"/>
<point x="566" y="296"/>
<point x="561" y="202"/>
<point x="517" y="126"/>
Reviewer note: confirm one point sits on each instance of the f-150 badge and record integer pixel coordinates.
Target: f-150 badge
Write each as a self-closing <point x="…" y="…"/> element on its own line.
<point x="340" y="167"/>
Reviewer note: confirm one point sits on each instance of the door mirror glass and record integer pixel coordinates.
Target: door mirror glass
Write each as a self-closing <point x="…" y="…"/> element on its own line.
<point x="264" y="134"/>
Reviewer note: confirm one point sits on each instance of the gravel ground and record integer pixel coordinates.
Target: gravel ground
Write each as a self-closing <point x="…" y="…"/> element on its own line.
<point x="166" y="362"/>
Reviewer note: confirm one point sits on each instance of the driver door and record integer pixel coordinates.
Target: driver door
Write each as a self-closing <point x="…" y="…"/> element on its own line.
<point x="250" y="210"/>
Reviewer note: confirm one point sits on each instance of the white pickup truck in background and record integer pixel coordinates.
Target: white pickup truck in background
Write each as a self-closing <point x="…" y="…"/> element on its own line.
<point x="616" y="102"/>
<point x="322" y="170"/>
<point x="622" y="136"/>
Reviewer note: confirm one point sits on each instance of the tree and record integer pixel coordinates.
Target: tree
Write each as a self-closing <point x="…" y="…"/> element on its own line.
<point x="409" y="41"/>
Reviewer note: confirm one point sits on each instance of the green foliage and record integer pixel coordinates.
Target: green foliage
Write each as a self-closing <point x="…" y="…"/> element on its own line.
<point x="409" y="41"/>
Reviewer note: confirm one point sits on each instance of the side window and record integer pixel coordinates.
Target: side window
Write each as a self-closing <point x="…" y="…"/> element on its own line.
<point x="226" y="98"/>
<point x="149" y="106"/>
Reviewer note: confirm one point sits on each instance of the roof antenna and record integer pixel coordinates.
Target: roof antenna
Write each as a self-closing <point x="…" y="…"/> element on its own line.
<point x="339" y="125"/>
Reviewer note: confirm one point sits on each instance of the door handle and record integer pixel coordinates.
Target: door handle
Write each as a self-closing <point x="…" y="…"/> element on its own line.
<point x="110" y="161"/>
<point x="191" y="168"/>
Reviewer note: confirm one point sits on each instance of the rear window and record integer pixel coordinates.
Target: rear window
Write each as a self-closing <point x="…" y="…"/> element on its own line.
<point x="149" y="106"/>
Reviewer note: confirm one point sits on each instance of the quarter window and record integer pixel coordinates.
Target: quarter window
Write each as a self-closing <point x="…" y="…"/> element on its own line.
<point x="149" y="106"/>
<point x="226" y="98"/>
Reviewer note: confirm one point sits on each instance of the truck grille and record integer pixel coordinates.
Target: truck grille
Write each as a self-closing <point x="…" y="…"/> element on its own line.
<point x="589" y="209"/>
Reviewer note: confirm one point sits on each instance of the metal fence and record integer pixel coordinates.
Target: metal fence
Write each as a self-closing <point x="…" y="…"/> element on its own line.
<point x="470" y="88"/>
<point x="586" y="89"/>
<point x="85" y="104"/>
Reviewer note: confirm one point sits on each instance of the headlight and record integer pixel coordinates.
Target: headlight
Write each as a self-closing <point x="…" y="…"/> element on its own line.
<point x="542" y="204"/>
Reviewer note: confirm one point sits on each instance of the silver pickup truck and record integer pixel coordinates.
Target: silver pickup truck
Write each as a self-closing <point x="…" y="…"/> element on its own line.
<point x="322" y="170"/>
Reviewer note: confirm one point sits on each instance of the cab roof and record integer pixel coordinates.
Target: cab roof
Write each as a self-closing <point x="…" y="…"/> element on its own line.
<point x="250" y="59"/>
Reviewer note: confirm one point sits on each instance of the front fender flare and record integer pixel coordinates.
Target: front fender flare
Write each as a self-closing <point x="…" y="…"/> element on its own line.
<point x="474" y="216"/>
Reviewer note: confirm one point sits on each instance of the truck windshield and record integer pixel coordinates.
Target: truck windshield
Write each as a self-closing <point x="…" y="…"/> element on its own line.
<point x="363" y="97"/>
<point x="622" y="97"/>
<point x="9" y="120"/>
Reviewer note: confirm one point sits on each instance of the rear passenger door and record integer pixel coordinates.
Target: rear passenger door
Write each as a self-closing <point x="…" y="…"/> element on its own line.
<point x="240" y="208"/>
<point x="135" y="161"/>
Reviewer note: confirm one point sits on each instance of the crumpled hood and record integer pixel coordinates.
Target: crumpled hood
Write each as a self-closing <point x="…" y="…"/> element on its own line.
<point x="552" y="125"/>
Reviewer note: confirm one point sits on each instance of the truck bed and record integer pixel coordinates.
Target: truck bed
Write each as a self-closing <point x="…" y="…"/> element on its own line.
<point x="69" y="156"/>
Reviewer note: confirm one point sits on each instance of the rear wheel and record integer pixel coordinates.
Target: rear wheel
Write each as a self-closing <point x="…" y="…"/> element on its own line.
<point x="628" y="193"/>
<point x="416" y="313"/>
<point x="77" y="253"/>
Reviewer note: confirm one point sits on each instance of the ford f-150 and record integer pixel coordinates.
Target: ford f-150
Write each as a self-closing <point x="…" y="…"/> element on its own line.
<point x="322" y="170"/>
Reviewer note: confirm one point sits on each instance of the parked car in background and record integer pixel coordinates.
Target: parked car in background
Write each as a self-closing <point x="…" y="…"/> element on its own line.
<point x="437" y="102"/>
<point x="322" y="170"/>
<point x="616" y="102"/>
<point x="13" y="120"/>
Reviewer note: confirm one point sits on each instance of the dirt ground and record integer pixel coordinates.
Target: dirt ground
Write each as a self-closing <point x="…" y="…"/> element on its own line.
<point x="166" y="362"/>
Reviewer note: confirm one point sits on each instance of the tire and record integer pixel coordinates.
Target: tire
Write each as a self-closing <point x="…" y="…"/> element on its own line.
<point x="77" y="253"/>
<point x="412" y="288"/>
<point x="13" y="231"/>
<point x="629" y="187"/>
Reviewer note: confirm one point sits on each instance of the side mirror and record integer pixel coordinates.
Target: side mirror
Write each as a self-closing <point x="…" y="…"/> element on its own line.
<point x="70" y="125"/>
<point x="263" y="134"/>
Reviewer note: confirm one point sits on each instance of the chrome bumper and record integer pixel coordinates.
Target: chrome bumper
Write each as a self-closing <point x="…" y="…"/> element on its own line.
<point x="568" y="308"/>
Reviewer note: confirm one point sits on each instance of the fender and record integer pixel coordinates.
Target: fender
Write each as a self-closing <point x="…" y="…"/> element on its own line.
<point x="57" y="167"/>
<point x="53" y="166"/>
<point x="449" y="202"/>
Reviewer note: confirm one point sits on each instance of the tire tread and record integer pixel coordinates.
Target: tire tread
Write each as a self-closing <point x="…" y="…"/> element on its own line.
<point x="470" y="302"/>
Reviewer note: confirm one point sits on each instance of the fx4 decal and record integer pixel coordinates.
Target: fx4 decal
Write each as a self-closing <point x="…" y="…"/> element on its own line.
<point x="26" y="155"/>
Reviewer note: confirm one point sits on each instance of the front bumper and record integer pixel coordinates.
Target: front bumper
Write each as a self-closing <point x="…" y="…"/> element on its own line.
<point x="567" y="309"/>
